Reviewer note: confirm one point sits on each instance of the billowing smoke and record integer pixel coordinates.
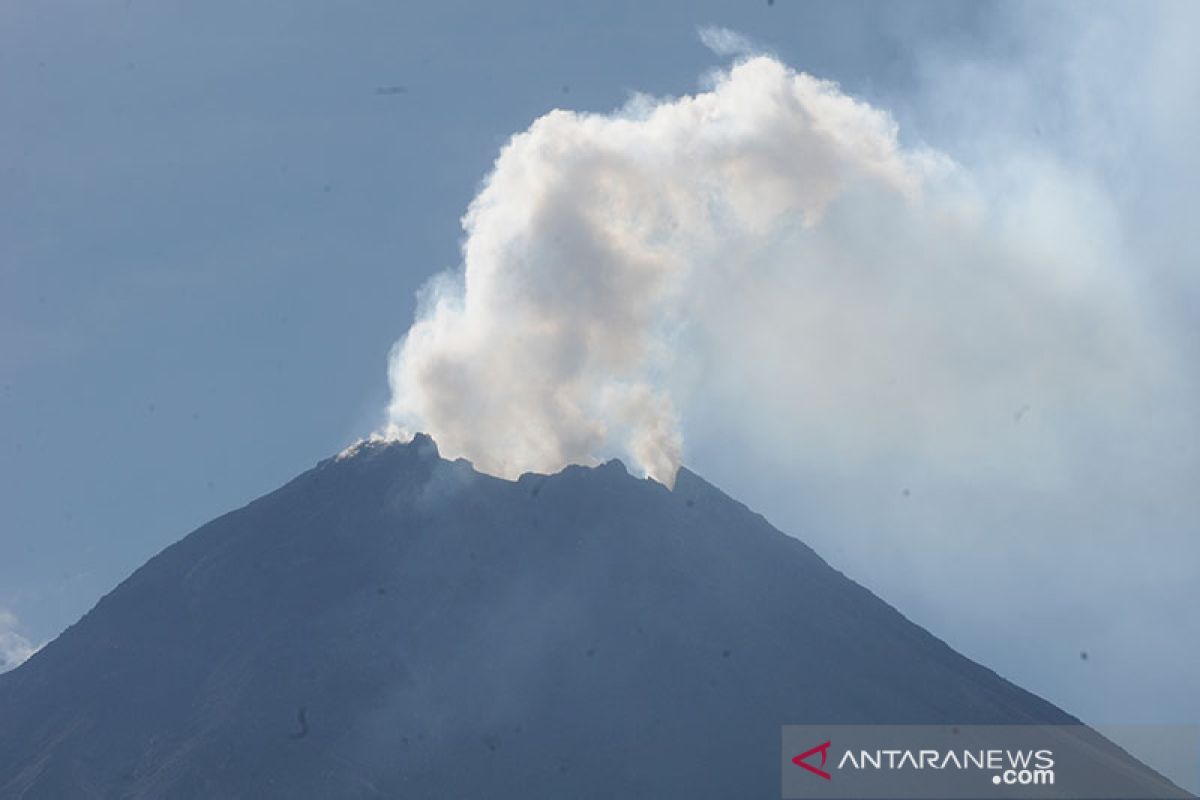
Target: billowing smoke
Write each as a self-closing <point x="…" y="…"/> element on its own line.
<point x="765" y="247"/>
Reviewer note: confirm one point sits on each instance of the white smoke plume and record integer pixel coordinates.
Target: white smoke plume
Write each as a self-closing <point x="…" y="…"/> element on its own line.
<point x="767" y="246"/>
<point x="725" y="42"/>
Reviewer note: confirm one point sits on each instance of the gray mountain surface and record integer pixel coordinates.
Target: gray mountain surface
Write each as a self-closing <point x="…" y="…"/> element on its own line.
<point x="393" y="624"/>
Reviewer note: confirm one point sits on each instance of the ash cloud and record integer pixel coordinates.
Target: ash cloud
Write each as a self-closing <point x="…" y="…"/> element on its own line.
<point x="590" y="247"/>
<point x="766" y="249"/>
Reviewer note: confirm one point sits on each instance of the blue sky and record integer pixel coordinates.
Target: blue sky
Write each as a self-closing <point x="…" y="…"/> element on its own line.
<point x="214" y="220"/>
<point x="214" y="227"/>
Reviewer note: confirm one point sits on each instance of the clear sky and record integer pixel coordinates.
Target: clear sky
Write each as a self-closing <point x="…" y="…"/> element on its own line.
<point x="214" y="219"/>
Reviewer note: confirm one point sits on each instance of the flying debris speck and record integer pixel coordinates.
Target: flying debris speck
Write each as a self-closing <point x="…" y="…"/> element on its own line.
<point x="302" y="717"/>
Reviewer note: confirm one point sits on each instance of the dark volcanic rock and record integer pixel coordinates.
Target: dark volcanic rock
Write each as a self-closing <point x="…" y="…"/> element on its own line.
<point x="394" y="624"/>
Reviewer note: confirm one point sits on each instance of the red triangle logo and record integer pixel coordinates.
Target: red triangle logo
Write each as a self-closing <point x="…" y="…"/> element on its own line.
<point x="801" y="760"/>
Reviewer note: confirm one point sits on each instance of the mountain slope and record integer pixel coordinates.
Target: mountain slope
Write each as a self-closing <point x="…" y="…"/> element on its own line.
<point x="394" y="624"/>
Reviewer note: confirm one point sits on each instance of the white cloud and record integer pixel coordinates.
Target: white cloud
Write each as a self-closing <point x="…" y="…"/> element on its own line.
<point x="14" y="648"/>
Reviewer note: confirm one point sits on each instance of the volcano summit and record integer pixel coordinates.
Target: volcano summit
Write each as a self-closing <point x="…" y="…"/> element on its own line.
<point x="391" y="623"/>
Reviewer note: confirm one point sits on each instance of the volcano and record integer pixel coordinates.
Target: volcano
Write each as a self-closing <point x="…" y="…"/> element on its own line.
<point x="394" y="624"/>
